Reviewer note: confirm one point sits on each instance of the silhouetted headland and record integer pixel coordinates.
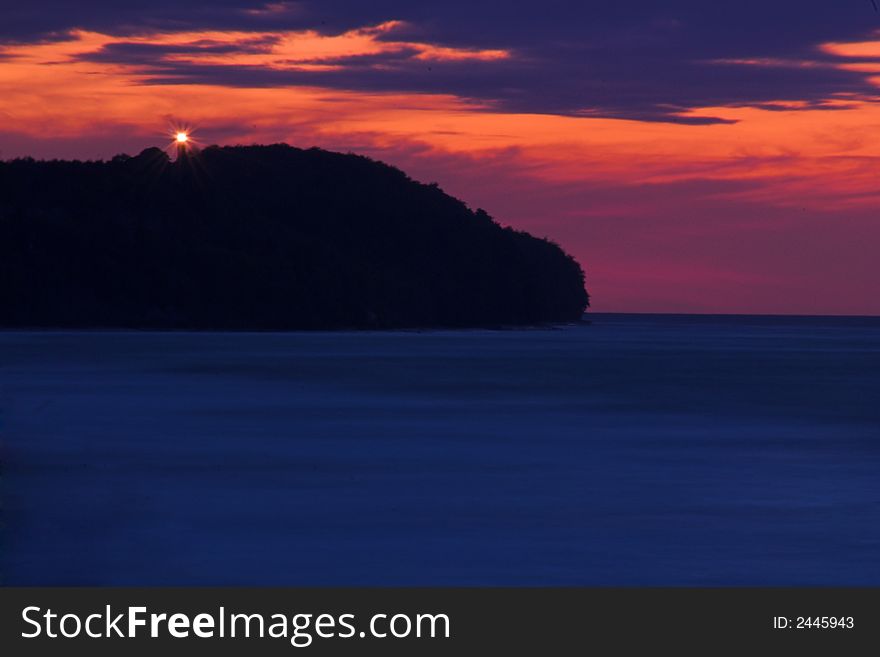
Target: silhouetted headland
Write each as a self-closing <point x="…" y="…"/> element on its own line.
<point x="263" y="237"/>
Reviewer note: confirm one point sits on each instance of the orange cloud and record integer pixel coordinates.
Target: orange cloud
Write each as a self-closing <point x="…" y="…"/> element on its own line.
<point x="867" y="51"/>
<point x="291" y="50"/>
<point x="790" y="153"/>
<point x="853" y="49"/>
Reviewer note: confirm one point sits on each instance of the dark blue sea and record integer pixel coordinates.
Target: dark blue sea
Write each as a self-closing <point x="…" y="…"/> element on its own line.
<point x="639" y="450"/>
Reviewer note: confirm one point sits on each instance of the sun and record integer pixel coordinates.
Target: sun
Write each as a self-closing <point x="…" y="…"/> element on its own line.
<point x="181" y="137"/>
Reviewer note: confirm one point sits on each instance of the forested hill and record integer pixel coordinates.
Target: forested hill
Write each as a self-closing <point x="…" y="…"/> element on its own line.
<point x="263" y="237"/>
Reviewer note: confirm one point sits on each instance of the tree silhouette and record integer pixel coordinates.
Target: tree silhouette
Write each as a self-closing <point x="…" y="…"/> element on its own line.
<point x="263" y="237"/>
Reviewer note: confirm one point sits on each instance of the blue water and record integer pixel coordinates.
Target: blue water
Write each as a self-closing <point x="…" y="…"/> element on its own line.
<point x="640" y="450"/>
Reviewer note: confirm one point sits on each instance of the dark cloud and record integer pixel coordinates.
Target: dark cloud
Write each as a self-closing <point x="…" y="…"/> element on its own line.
<point x="153" y="54"/>
<point x="643" y="60"/>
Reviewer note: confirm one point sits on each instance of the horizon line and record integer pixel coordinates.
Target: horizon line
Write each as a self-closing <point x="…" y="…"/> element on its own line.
<point x="735" y="314"/>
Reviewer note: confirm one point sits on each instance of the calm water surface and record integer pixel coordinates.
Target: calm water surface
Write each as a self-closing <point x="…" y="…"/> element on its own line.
<point x="652" y="450"/>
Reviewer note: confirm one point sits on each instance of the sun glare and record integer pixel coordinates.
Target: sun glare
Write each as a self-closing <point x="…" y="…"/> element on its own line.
<point x="182" y="142"/>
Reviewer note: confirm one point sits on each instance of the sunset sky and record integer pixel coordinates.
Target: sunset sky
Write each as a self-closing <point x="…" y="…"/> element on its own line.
<point x="695" y="156"/>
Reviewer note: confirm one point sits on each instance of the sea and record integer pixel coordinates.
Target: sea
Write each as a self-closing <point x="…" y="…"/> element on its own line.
<point x="637" y="450"/>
